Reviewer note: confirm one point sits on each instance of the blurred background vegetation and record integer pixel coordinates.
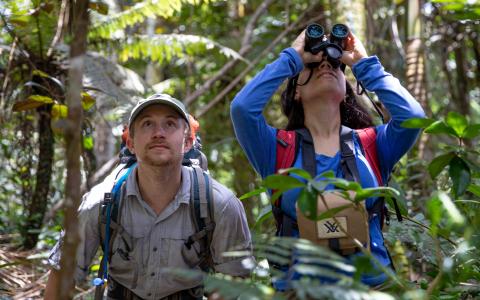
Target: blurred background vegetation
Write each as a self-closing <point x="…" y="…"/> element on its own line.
<point x="203" y="52"/>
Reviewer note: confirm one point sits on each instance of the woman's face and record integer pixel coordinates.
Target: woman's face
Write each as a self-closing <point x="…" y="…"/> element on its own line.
<point x="326" y="82"/>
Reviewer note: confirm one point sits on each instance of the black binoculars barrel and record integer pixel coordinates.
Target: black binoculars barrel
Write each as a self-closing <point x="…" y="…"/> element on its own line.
<point x="316" y="41"/>
<point x="313" y="38"/>
<point x="339" y="35"/>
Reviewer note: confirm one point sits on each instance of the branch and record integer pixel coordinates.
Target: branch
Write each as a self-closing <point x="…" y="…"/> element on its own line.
<point x="62" y="20"/>
<point x="239" y="77"/>
<point x="246" y="45"/>
<point x="5" y="81"/>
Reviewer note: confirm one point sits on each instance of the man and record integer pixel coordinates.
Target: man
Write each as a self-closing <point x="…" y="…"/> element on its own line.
<point x="155" y="212"/>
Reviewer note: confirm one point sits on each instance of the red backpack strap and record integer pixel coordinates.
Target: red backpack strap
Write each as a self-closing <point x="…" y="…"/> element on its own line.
<point x="285" y="157"/>
<point x="286" y="149"/>
<point x="368" y="138"/>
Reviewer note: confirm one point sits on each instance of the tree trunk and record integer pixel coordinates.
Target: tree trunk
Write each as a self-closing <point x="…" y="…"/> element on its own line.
<point x="463" y="105"/>
<point x="476" y="50"/>
<point x="73" y="141"/>
<point x="38" y="203"/>
<point x="416" y="79"/>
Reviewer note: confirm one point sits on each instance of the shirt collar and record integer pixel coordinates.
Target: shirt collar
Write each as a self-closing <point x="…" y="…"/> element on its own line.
<point x="182" y="196"/>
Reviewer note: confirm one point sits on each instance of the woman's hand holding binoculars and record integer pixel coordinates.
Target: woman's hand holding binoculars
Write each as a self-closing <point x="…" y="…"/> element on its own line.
<point x="307" y="57"/>
<point x="346" y="48"/>
<point x="354" y="50"/>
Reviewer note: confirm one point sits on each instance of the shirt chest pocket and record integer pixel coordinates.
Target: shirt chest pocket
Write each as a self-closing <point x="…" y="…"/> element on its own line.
<point x="173" y="244"/>
<point x="127" y="257"/>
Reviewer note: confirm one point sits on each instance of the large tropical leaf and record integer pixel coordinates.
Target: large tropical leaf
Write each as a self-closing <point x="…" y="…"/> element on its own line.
<point x="164" y="47"/>
<point x="105" y="27"/>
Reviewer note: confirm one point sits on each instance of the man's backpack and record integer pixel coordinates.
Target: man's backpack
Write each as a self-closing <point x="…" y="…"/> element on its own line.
<point x="287" y="151"/>
<point x="196" y="249"/>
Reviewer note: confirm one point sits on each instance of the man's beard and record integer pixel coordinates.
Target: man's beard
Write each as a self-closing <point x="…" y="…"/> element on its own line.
<point x="175" y="159"/>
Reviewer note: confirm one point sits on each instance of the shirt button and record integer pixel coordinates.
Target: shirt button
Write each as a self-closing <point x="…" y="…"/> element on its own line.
<point x="152" y="274"/>
<point x="154" y="249"/>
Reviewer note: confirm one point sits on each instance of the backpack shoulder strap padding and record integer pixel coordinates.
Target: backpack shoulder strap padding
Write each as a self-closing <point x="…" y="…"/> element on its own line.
<point x="202" y="193"/>
<point x="368" y="141"/>
<point x="202" y="212"/>
<point x="286" y="149"/>
<point x="347" y="149"/>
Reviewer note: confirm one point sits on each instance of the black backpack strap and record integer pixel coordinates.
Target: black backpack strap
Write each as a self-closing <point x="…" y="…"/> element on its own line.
<point x="347" y="148"/>
<point x="308" y="151"/>
<point x="202" y="212"/>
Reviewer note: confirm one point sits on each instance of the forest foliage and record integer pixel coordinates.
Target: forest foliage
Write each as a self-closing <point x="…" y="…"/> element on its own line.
<point x="203" y="52"/>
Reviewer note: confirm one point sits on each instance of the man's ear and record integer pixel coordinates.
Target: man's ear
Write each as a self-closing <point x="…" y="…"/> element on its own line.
<point x="188" y="143"/>
<point x="130" y="144"/>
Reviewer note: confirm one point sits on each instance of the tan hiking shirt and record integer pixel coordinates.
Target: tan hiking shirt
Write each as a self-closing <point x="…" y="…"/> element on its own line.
<point x="158" y="240"/>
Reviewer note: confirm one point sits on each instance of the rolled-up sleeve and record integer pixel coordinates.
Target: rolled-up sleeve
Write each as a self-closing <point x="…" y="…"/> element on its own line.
<point x="231" y="234"/>
<point x="89" y="237"/>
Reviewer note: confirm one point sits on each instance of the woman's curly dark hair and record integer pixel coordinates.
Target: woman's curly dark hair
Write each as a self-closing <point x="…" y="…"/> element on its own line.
<point x="352" y="114"/>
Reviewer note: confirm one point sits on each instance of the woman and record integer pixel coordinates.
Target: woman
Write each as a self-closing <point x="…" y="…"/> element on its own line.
<point x="321" y="100"/>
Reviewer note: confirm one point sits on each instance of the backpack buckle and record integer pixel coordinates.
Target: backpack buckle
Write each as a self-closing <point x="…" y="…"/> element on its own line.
<point x="107" y="198"/>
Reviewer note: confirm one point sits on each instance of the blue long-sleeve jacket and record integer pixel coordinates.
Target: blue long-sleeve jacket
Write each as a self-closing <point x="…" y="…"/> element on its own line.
<point x="258" y="139"/>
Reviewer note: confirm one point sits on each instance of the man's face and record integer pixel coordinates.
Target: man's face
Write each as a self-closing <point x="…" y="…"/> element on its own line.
<point x="159" y="136"/>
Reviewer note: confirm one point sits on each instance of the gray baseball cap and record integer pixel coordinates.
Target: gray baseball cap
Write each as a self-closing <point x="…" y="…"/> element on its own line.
<point x="158" y="99"/>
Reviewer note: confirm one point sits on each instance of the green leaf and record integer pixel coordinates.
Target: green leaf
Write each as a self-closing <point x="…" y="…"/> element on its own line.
<point x="400" y="202"/>
<point x="474" y="189"/>
<point x="332" y="212"/>
<point x="460" y="175"/>
<point x="345" y="184"/>
<point x="264" y="215"/>
<point x="307" y="202"/>
<point x="253" y="193"/>
<point x="319" y="185"/>
<point x="40" y="73"/>
<point x="457" y="122"/>
<point x="439" y="127"/>
<point x="95" y="268"/>
<point x="439" y="163"/>
<point x="87" y="101"/>
<point x="59" y="111"/>
<point x="300" y="172"/>
<point x="33" y="101"/>
<point x="417" y="123"/>
<point x="363" y="194"/>
<point x="282" y="182"/>
<point x="472" y="131"/>
<point x="327" y="174"/>
<point x="452" y="211"/>
<point x="20" y="21"/>
<point x="88" y="142"/>
<point x="434" y="212"/>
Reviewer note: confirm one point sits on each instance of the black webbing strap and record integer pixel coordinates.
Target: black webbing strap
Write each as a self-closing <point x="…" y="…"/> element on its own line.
<point x="347" y="148"/>
<point x="198" y="220"/>
<point x="309" y="163"/>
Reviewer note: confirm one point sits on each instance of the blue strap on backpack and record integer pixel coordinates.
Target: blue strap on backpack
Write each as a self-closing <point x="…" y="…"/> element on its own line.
<point x="110" y="203"/>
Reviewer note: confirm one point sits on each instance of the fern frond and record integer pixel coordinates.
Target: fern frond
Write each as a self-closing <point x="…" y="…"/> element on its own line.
<point x="137" y="14"/>
<point x="163" y="47"/>
<point x="309" y="289"/>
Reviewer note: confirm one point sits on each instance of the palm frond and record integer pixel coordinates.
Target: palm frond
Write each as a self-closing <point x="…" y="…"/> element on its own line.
<point x="164" y="47"/>
<point x="309" y="289"/>
<point x="106" y="26"/>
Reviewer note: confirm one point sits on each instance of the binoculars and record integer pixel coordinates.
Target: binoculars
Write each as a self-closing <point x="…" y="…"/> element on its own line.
<point x="316" y="40"/>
